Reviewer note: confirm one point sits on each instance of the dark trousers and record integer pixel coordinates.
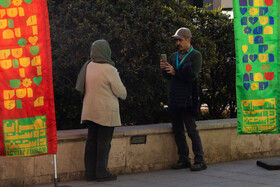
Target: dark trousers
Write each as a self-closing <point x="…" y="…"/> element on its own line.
<point x="181" y="119"/>
<point x="97" y="150"/>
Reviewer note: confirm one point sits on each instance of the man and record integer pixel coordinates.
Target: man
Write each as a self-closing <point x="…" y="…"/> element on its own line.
<point x="183" y="71"/>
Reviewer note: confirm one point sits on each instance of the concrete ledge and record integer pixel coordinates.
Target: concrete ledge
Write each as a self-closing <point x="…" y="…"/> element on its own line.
<point x="219" y="138"/>
<point x="148" y="129"/>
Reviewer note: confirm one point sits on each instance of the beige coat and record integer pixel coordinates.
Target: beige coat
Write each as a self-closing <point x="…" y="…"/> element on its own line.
<point x="103" y="88"/>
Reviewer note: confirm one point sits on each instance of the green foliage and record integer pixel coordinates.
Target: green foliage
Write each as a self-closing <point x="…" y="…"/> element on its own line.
<point x="137" y="31"/>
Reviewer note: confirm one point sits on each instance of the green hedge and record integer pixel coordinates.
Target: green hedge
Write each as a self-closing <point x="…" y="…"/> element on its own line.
<point x="138" y="31"/>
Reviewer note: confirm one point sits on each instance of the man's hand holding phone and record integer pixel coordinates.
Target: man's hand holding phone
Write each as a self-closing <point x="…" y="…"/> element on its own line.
<point x="164" y="65"/>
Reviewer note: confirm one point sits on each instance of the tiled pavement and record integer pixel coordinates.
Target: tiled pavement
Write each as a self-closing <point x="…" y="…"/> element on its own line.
<point x="243" y="173"/>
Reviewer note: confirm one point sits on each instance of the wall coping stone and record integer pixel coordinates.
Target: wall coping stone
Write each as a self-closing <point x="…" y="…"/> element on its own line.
<point x="81" y="134"/>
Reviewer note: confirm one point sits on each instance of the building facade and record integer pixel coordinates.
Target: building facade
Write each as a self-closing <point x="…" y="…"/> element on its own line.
<point x="226" y="4"/>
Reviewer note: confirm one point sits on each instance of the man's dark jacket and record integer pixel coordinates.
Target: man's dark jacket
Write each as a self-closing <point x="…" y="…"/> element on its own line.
<point x="184" y="85"/>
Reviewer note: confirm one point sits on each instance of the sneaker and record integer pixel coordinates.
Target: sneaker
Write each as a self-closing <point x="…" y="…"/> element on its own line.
<point x="198" y="166"/>
<point x="108" y="178"/>
<point x="181" y="165"/>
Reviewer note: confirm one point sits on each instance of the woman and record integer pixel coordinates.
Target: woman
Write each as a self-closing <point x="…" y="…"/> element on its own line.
<point x="100" y="112"/>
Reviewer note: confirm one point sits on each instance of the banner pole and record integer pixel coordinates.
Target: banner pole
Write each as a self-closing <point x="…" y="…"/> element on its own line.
<point x="55" y="171"/>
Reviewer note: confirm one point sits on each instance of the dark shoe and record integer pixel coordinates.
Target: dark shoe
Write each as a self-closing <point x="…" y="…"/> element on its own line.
<point x="198" y="166"/>
<point x="181" y="165"/>
<point x="108" y="178"/>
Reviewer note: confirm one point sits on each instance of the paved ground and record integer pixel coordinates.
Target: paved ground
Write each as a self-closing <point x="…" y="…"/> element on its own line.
<point x="244" y="173"/>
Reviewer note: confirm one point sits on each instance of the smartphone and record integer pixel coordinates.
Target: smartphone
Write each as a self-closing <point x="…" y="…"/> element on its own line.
<point x="163" y="57"/>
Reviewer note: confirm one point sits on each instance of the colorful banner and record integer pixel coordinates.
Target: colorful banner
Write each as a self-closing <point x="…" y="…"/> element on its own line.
<point x="27" y="114"/>
<point x="256" y="28"/>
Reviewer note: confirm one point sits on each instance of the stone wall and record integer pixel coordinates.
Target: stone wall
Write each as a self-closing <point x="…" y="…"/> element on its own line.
<point x="136" y="149"/>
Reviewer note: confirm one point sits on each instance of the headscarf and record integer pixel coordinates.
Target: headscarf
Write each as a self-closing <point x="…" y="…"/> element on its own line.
<point x="100" y="52"/>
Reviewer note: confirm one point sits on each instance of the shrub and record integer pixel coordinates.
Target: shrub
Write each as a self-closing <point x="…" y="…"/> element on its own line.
<point x="137" y="31"/>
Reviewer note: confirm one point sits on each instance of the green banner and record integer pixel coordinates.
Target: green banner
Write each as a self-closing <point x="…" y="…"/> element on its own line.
<point x="26" y="136"/>
<point x="256" y="29"/>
